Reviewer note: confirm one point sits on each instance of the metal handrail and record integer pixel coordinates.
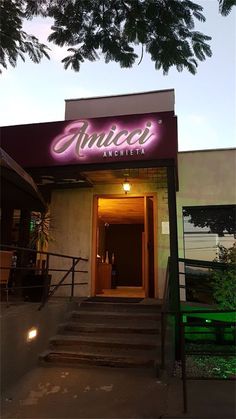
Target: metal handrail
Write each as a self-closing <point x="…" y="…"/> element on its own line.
<point x="71" y="270"/>
<point x="45" y="270"/>
<point x="203" y="263"/>
<point x="167" y="286"/>
<point x="164" y="310"/>
<point x="209" y="266"/>
<point x="28" y="249"/>
<point x="214" y="310"/>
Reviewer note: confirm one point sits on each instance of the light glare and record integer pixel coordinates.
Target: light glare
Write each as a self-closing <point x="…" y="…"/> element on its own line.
<point x="126" y="186"/>
<point x="32" y="333"/>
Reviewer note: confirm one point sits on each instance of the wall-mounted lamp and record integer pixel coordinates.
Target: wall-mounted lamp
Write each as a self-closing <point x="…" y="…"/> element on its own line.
<point x="32" y="334"/>
<point x="126" y="186"/>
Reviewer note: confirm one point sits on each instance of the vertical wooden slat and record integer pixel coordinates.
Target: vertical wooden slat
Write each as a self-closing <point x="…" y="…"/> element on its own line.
<point x="94" y="276"/>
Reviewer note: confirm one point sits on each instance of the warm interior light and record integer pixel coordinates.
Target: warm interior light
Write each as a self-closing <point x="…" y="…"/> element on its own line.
<point x="126" y="186"/>
<point x="32" y="333"/>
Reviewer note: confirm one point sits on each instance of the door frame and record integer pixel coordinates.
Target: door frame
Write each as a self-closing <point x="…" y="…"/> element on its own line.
<point x="145" y="284"/>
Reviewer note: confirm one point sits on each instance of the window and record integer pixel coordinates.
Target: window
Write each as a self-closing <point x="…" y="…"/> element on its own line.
<point x="207" y="229"/>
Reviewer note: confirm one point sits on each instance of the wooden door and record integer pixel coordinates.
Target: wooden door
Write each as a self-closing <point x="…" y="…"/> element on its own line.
<point x="149" y="247"/>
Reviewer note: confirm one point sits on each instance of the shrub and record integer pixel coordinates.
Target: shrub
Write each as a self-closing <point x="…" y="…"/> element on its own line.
<point x="224" y="288"/>
<point x="224" y="282"/>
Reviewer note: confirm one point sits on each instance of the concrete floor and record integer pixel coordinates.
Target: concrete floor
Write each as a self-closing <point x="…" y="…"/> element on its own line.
<point x="102" y="393"/>
<point x="85" y="393"/>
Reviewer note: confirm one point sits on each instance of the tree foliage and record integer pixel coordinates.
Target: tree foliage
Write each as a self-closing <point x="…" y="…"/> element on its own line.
<point x="218" y="220"/>
<point x="112" y="29"/>
<point x="227" y="255"/>
<point x="224" y="281"/>
<point x="224" y="289"/>
<point x="14" y="42"/>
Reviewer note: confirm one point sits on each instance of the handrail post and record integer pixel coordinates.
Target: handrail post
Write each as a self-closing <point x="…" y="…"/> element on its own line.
<point x="162" y="341"/>
<point x="165" y="307"/>
<point x="7" y="292"/>
<point x="183" y="364"/>
<point x="174" y="265"/>
<point x="46" y="278"/>
<point x="47" y="264"/>
<point x="73" y="278"/>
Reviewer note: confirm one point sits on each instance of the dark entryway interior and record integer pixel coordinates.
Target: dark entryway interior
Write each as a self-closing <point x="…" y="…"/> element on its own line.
<point x="120" y="242"/>
<point x="124" y="241"/>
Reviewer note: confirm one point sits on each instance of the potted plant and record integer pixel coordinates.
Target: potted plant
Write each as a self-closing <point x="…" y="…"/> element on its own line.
<point x="40" y="236"/>
<point x="39" y="239"/>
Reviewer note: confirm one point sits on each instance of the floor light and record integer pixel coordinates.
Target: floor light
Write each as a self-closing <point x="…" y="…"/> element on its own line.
<point x="32" y="334"/>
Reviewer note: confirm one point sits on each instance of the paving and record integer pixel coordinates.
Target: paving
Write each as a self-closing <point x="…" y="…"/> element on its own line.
<point x="70" y="382"/>
<point x="85" y="393"/>
<point x="207" y="399"/>
<point x="102" y="393"/>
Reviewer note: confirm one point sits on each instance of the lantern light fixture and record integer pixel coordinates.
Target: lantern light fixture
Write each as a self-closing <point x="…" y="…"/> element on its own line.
<point x="126" y="186"/>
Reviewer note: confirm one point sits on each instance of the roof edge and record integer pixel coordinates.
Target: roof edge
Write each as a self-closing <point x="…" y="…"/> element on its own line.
<point x="207" y="149"/>
<point x="120" y="95"/>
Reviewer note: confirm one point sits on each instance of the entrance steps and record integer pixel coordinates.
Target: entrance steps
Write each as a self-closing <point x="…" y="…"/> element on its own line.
<point x="108" y="334"/>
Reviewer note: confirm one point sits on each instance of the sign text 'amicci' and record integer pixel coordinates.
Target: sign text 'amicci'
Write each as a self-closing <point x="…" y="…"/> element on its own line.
<point x="81" y="139"/>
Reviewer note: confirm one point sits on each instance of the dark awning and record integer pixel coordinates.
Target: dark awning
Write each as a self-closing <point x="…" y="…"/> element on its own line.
<point x="18" y="189"/>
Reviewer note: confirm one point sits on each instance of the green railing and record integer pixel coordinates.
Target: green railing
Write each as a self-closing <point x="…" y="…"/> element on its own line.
<point x="208" y="332"/>
<point x="214" y="337"/>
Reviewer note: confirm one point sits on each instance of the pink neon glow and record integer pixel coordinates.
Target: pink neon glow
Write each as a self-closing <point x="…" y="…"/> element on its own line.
<point x="81" y="139"/>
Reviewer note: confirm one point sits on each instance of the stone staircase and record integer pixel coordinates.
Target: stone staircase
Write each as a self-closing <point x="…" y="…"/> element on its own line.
<point x="115" y="334"/>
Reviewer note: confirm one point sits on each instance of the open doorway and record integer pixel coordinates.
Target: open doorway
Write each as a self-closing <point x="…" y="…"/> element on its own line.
<point x="124" y="246"/>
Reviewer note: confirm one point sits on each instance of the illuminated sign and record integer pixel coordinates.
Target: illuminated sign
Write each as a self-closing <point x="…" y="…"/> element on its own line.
<point x="80" y="139"/>
<point x="121" y="138"/>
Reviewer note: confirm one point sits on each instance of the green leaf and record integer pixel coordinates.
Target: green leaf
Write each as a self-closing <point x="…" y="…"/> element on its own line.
<point x="164" y="28"/>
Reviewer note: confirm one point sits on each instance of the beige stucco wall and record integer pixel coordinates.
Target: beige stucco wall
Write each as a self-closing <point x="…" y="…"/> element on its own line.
<point x="71" y="211"/>
<point x="205" y="178"/>
<point x="136" y="103"/>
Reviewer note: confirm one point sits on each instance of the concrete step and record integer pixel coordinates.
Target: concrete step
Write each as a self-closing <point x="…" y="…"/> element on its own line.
<point x="102" y="340"/>
<point x="67" y="357"/>
<point x="74" y="327"/>
<point x="112" y="316"/>
<point x="121" y="307"/>
<point x="108" y="334"/>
